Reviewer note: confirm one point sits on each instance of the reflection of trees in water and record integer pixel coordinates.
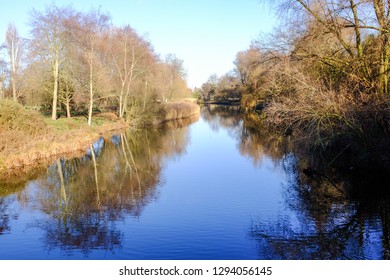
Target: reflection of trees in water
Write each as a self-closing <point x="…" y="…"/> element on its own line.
<point x="227" y="117"/>
<point x="328" y="220"/>
<point x="254" y="140"/>
<point x="85" y="197"/>
<point x="4" y="215"/>
<point x="10" y="192"/>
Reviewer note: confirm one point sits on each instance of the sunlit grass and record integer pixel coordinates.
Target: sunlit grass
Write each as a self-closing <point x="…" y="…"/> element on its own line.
<point x="65" y="124"/>
<point x="27" y="138"/>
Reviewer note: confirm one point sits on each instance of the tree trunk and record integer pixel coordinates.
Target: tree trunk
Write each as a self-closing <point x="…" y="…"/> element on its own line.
<point x="384" y="67"/>
<point x="68" y="107"/>
<point x="121" y="113"/>
<point x="358" y="39"/>
<point x="90" y="94"/>
<point x="13" y="73"/>
<point x="145" y="91"/>
<point x="90" y="104"/>
<point x="382" y="18"/>
<point x="15" y="98"/>
<point x="55" y="91"/>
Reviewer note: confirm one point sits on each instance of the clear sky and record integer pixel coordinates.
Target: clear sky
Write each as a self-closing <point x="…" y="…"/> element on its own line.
<point x="206" y="34"/>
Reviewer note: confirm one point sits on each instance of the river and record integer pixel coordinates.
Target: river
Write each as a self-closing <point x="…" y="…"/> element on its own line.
<point x="207" y="188"/>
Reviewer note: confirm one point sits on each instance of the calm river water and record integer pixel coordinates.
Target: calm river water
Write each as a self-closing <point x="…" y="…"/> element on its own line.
<point x="211" y="188"/>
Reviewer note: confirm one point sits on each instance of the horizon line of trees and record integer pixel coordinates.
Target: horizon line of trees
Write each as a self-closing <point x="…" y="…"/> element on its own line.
<point x="80" y="62"/>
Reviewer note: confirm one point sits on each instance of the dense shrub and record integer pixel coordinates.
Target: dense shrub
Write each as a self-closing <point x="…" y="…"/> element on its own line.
<point x="13" y="117"/>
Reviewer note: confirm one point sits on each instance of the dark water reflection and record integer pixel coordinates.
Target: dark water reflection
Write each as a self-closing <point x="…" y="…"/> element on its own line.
<point x="324" y="218"/>
<point x="218" y="188"/>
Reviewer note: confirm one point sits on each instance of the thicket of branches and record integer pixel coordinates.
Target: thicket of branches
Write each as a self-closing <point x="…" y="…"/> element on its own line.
<point x="79" y="63"/>
<point x="323" y="75"/>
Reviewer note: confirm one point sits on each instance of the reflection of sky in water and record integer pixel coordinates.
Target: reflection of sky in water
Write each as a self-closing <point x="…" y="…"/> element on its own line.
<point x="208" y="191"/>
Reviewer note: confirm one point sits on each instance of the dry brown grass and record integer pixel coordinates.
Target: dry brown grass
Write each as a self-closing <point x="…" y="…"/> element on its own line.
<point x="27" y="139"/>
<point x="178" y="110"/>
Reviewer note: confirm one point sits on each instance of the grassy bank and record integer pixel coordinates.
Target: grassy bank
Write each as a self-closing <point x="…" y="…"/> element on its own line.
<point x="27" y="138"/>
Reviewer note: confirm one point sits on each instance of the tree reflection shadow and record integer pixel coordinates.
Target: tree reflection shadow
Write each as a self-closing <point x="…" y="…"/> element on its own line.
<point x="10" y="191"/>
<point x="4" y="215"/>
<point x="333" y="215"/>
<point x="327" y="220"/>
<point x="84" y="198"/>
<point x="253" y="138"/>
<point x="323" y="225"/>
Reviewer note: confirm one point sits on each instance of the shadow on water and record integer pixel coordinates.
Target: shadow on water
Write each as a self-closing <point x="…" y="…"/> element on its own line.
<point x="329" y="214"/>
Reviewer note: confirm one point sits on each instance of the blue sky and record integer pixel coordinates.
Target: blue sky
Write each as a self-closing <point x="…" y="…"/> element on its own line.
<point x="206" y="34"/>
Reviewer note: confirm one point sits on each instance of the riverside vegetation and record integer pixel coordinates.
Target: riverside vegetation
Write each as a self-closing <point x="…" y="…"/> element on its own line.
<point x="28" y="138"/>
<point x="76" y="77"/>
<point x="322" y="79"/>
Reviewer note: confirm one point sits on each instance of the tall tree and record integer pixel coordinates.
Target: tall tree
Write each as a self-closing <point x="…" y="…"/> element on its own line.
<point x="49" y="40"/>
<point x="68" y="84"/>
<point x="176" y="75"/>
<point x="382" y="13"/>
<point x="350" y="22"/>
<point x="2" y="78"/>
<point x="132" y="59"/>
<point x="15" y="45"/>
<point x="93" y="25"/>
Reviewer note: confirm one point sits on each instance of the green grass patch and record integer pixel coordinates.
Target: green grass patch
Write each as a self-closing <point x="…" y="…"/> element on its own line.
<point x="66" y="124"/>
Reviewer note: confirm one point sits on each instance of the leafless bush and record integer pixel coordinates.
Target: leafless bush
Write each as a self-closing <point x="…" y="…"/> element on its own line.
<point x="316" y="116"/>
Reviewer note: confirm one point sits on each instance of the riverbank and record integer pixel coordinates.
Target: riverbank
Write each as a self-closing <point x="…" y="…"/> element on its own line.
<point x="21" y="151"/>
<point x="28" y="140"/>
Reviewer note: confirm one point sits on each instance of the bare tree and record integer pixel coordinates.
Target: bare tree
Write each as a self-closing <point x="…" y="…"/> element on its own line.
<point x="2" y="78"/>
<point x="176" y="75"/>
<point x="382" y="13"/>
<point x="49" y="40"/>
<point x="349" y="23"/>
<point x="93" y="25"/>
<point x="132" y="58"/>
<point x="15" y="46"/>
<point x="68" y="85"/>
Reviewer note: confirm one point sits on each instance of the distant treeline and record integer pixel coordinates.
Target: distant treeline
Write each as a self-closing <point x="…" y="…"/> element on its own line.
<point x="79" y="63"/>
<point x="321" y="76"/>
